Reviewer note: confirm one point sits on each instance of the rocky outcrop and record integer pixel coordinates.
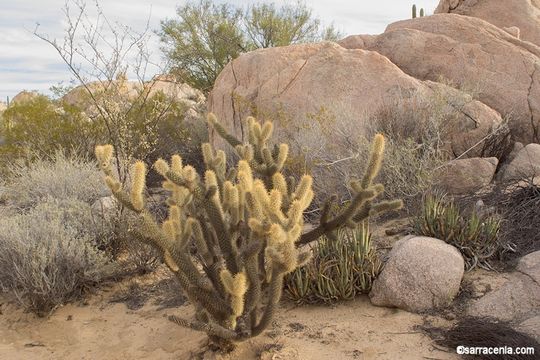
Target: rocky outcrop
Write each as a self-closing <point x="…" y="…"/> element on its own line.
<point x="517" y="299"/>
<point x="314" y="91"/>
<point x="502" y="71"/>
<point x="466" y="176"/>
<point x="23" y="97"/>
<point x="525" y="164"/>
<point x="421" y="273"/>
<point x="521" y="14"/>
<point x="125" y="90"/>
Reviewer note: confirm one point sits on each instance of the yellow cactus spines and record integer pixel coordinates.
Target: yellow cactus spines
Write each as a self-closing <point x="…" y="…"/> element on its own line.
<point x="189" y="173"/>
<point x="254" y="207"/>
<point x="303" y="189"/>
<point x="113" y="184"/>
<point x="176" y="164"/>
<point x="266" y="132"/>
<point x="181" y="196"/>
<point x="167" y="185"/>
<point x="307" y="199"/>
<point x="295" y="232"/>
<point x="220" y="161"/>
<point x="104" y="154"/>
<point x="167" y="258"/>
<point x="246" y="224"/>
<point x="277" y="235"/>
<point x="236" y="286"/>
<point x="198" y="235"/>
<point x="138" y="185"/>
<point x="174" y="213"/>
<point x="257" y="226"/>
<point x="295" y="214"/>
<point x="375" y="161"/>
<point x="169" y="230"/>
<point x="161" y="167"/>
<point x="257" y="131"/>
<point x="227" y="190"/>
<point x="210" y="179"/>
<point x="207" y="153"/>
<point x="245" y="176"/>
<point x="245" y="152"/>
<point x="275" y="200"/>
<point x="279" y="183"/>
<point x="260" y="193"/>
<point x="283" y="153"/>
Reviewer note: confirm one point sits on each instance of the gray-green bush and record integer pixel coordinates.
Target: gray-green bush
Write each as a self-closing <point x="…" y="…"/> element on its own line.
<point x="59" y="177"/>
<point x="49" y="254"/>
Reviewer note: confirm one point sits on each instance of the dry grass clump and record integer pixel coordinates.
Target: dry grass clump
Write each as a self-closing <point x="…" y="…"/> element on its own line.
<point x="340" y="269"/>
<point x="518" y="203"/>
<point x="414" y="148"/>
<point x="59" y="177"/>
<point x="49" y="254"/>
<point x="483" y="332"/>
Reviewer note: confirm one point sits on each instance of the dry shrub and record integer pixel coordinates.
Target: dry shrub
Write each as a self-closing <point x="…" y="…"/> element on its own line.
<point x="340" y="269"/>
<point x="521" y="213"/>
<point x="59" y="177"/>
<point x="483" y="332"/>
<point x="49" y="254"/>
<point x="414" y="149"/>
<point x="518" y="203"/>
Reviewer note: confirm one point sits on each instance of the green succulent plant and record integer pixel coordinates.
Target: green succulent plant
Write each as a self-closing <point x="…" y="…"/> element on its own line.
<point x="475" y="235"/>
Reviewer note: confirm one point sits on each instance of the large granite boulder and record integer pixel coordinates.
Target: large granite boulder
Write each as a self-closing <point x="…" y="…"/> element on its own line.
<point x="523" y="15"/>
<point x="518" y="298"/>
<point x="317" y="94"/>
<point x="499" y="69"/>
<point x="421" y="273"/>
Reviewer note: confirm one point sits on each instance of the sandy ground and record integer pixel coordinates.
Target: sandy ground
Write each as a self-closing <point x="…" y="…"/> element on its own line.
<point x="104" y="330"/>
<point x="101" y="329"/>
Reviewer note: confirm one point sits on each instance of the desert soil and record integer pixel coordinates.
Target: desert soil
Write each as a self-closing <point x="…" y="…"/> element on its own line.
<point x="100" y="329"/>
<point x="137" y="328"/>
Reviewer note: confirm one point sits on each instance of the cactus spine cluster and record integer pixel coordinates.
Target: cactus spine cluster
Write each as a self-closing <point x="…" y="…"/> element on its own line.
<point x="232" y="234"/>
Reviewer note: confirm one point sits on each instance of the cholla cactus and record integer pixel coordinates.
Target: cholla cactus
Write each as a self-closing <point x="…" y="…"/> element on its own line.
<point x="233" y="234"/>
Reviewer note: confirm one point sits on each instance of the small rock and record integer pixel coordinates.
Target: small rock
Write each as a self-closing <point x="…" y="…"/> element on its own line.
<point x="105" y="207"/>
<point x="466" y="176"/>
<point x="525" y="165"/>
<point x="531" y="327"/>
<point x="530" y="265"/>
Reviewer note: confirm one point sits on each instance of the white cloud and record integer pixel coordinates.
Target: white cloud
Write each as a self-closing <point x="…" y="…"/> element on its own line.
<point x="29" y="63"/>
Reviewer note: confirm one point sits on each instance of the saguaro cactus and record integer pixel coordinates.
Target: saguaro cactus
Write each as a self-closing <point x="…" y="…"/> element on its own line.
<point x="232" y="234"/>
<point x="414" y="11"/>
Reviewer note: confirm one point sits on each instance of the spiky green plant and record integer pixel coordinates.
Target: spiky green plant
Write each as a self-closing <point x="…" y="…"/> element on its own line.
<point x="414" y="11"/>
<point x="340" y="269"/>
<point x="245" y="223"/>
<point x="421" y="12"/>
<point x="475" y="236"/>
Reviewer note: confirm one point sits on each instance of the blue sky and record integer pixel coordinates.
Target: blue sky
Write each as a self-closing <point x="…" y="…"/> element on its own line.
<point x="27" y="63"/>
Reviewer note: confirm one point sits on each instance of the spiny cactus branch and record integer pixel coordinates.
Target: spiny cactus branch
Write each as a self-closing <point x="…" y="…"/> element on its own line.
<point x="232" y="234"/>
